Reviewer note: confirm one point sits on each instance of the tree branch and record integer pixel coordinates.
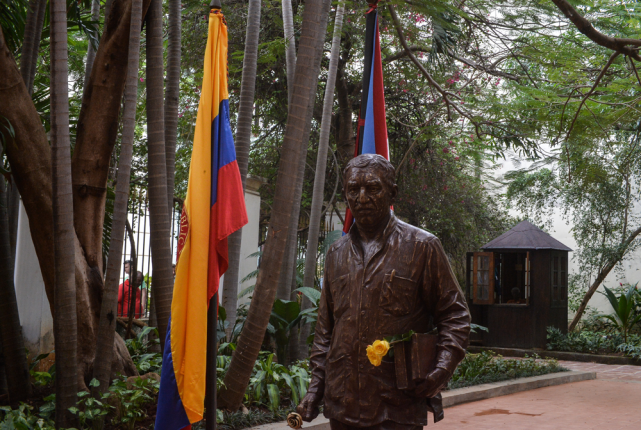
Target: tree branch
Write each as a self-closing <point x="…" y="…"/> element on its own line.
<point x="430" y="79"/>
<point x="596" y="83"/>
<point x="603" y="273"/>
<point x="585" y="27"/>
<point x="398" y="55"/>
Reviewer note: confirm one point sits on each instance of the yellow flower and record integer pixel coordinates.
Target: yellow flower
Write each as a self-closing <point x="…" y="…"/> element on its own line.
<point x="380" y="347"/>
<point x="373" y="357"/>
<point x="377" y="351"/>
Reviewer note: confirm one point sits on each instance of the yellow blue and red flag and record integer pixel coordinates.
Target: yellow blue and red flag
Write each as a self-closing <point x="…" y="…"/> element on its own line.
<point x="214" y="208"/>
<point x="371" y="136"/>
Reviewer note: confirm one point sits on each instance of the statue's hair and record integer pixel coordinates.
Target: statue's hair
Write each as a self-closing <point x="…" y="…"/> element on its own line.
<point x="374" y="160"/>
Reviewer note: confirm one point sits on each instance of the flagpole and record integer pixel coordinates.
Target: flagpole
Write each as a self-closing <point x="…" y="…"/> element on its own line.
<point x="212" y="352"/>
<point x="212" y="338"/>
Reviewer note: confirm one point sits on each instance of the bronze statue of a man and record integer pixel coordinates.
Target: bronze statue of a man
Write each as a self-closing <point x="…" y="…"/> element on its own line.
<point x="384" y="278"/>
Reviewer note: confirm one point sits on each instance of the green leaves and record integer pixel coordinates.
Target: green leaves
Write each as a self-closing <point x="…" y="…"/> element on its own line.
<point x="623" y="318"/>
<point x="487" y="367"/>
<point x="406" y="337"/>
<point x="272" y="384"/>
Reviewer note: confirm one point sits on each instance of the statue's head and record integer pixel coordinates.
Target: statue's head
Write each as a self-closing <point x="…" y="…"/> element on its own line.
<point x="370" y="188"/>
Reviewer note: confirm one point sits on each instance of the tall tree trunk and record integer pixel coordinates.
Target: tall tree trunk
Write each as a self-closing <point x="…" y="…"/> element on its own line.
<point x="42" y="8"/>
<point x="321" y="161"/>
<point x="107" y="325"/>
<point x="64" y="318"/>
<point x="345" y="115"/>
<point x="13" y="349"/>
<point x="30" y="157"/>
<point x="306" y="77"/>
<point x="321" y="166"/>
<point x="171" y="98"/>
<point x="31" y="42"/>
<point x="290" y="47"/>
<point x="163" y="279"/>
<point x="28" y="65"/>
<point x="603" y="273"/>
<point x="243" y="140"/>
<point x="91" y="53"/>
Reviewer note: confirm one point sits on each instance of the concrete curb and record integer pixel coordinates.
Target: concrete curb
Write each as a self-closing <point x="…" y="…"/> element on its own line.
<point x="503" y="388"/>
<point x="559" y="355"/>
<point x="470" y="394"/>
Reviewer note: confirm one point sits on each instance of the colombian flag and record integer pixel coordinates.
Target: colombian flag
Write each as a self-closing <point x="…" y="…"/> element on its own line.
<point x="214" y="208"/>
<point x="371" y="137"/>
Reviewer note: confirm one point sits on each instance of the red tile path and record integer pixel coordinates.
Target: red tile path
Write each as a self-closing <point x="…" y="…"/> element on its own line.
<point x="606" y="371"/>
<point x="611" y="402"/>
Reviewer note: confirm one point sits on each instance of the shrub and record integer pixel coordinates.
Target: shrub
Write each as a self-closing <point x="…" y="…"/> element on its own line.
<point x="140" y="350"/>
<point x="487" y="367"/>
<point x="594" y="342"/>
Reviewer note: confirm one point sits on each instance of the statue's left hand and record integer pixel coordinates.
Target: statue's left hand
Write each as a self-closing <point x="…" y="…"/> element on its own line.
<point x="432" y="385"/>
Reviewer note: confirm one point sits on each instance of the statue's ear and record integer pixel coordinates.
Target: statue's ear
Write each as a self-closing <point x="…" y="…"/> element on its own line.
<point x="394" y="193"/>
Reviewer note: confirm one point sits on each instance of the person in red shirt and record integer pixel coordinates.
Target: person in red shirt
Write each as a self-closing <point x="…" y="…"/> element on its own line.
<point x="125" y="294"/>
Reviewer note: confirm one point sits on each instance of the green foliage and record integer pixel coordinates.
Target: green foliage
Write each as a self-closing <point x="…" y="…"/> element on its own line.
<point x="223" y="324"/>
<point x="594" y="342"/>
<point x="131" y="400"/>
<point x="41" y="379"/>
<point x="272" y="385"/>
<point x="475" y="327"/>
<point x="238" y="420"/>
<point x="487" y="367"/>
<point x="623" y="318"/>
<point x="285" y="316"/>
<point x="23" y="418"/>
<point x="139" y="348"/>
<point x="88" y="408"/>
<point x="124" y="406"/>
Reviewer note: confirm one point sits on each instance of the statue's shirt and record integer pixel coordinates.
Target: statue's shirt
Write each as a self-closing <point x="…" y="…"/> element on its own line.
<point x="406" y="285"/>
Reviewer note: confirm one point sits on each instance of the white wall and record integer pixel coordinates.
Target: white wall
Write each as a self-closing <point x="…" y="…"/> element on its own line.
<point x="562" y="231"/>
<point x="33" y="306"/>
<point x="249" y="243"/>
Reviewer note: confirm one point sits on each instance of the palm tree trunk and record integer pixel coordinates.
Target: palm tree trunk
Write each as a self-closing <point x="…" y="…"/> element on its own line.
<point x="31" y="42"/>
<point x="15" y="360"/>
<point x="157" y="182"/>
<point x="289" y="281"/>
<point x="107" y="324"/>
<point x="42" y="8"/>
<point x="28" y="60"/>
<point x="243" y="140"/>
<point x="64" y="321"/>
<point x="91" y="53"/>
<point x="306" y="78"/>
<point x="290" y="47"/>
<point x="171" y="98"/>
<point x="321" y="166"/>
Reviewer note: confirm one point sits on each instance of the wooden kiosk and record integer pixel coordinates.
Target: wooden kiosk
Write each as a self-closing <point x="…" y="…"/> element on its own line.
<point x="517" y="287"/>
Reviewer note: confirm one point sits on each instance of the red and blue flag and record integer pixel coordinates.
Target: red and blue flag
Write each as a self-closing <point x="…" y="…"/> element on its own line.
<point x="371" y="137"/>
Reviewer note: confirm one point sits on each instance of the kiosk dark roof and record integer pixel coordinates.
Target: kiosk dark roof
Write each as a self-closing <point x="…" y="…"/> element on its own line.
<point x="525" y="235"/>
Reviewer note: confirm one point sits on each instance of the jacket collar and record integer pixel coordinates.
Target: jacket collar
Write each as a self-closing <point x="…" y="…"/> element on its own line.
<point x="355" y="236"/>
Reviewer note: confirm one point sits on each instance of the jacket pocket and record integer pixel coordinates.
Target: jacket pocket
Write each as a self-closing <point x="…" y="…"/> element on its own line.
<point x="398" y="294"/>
<point x="336" y="377"/>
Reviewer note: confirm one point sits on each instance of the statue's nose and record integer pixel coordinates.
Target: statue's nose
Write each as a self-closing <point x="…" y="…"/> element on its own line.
<point x="362" y="196"/>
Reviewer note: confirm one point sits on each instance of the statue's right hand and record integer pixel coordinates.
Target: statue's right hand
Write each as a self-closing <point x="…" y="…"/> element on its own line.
<point x="308" y="408"/>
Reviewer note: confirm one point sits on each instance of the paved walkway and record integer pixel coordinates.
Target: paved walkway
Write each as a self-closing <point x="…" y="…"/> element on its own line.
<point x="609" y="403"/>
<point x="606" y="371"/>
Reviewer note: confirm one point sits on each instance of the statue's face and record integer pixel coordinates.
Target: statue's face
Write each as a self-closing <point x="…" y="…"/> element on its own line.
<point x="368" y="197"/>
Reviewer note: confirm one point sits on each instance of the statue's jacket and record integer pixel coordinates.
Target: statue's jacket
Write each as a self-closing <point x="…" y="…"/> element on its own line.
<point x="406" y="285"/>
